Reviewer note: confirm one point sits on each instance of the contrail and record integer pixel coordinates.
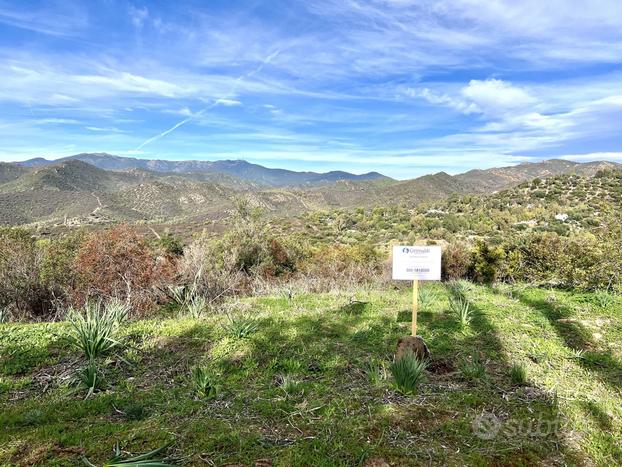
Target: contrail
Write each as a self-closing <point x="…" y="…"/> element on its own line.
<point x="237" y="81"/>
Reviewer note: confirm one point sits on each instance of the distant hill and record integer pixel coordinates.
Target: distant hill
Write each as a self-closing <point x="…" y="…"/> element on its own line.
<point x="238" y="168"/>
<point x="75" y="192"/>
<point x="505" y="177"/>
<point x="10" y="172"/>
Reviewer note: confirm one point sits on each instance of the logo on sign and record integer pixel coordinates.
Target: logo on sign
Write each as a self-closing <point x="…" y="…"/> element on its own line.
<point x="407" y="250"/>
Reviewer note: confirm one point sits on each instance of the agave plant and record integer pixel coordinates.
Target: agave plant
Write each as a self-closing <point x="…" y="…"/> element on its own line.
<point x="408" y="372"/>
<point x="427" y="297"/>
<point x="148" y="459"/>
<point x="90" y="378"/>
<point x="205" y="382"/>
<point x="462" y="308"/>
<point x="189" y="299"/>
<point x="240" y="327"/>
<point x="92" y="330"/>
<point x="5" y="315"/>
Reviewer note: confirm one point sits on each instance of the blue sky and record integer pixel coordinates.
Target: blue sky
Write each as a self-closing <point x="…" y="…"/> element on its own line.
<point x="399" y="86"/>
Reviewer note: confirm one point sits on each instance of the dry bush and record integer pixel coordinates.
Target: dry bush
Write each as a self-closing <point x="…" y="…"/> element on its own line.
<point x="456" y="261"/>
<point x="212" y="269"/>
<point x="119" y="263"/>
<point x="21" y="289"/>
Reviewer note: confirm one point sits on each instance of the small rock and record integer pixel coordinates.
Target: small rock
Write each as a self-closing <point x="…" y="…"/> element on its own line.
<point x="415" y="344"/>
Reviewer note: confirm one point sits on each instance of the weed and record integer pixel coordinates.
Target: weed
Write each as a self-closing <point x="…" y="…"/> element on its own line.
<point x="90" y="378"/>
<point x="92" y="331"/>
<point x="240" y="327"/>
<point x="205" y="382"/>
<point x="147" y="459"/>
<point x="603" y="298"/>
<point x="290" y="365"/>
<point x="473" y="369"/>
<point x="427" y="297"/>
<point x="134" y="411"/>
<point x="375" y="372"/>
<point x="462" y="309"/>
<point x="518" y="374"/>
<point x="459" y="289"/>
<point x="190" y="301"/>
<point x="290" y="385"/>
<point x="408" y="372"/>
<point x="5" y="315"/>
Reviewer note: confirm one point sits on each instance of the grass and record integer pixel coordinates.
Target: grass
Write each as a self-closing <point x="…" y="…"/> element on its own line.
<point x="308" y="386"/>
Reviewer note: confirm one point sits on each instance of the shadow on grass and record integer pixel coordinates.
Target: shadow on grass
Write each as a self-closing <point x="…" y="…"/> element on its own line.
<point x="578" y="338"/>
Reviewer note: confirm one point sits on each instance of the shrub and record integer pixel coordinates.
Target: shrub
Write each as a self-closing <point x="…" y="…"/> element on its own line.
<point x="57" y="272"/>
<point x="119" y="263"/>
<point x="408" y="372"/>
<point x="489" y="262"/>
<point x="20" y="286"/>
<point x="456" y="261"/>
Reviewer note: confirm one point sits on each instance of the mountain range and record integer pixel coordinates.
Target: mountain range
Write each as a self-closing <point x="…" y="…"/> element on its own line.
<point x="254" y="173"/>
<point x="89" y="189"/>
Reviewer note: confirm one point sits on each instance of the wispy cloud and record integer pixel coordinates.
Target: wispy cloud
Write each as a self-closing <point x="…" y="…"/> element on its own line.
<point x="351" y="82"/>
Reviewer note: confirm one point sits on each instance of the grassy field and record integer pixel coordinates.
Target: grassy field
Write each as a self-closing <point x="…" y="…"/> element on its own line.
<point x="534" y="377"/>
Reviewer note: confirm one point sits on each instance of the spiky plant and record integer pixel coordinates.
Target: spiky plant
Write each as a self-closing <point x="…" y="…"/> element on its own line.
<point x="205" y="382"/>
<point x="473" y="369"/>
<point x="240" y="327"/>
<point x="5" y="315"/>
<point x="375" y="372"/>
<point x="144" y="460"/>
<point x="93" y="329"/>
<point x="189" y="299"/>
<point x="603" y="298"/>
<point x="90" y="378"/>
<point x="462" y="309"/>
<point x="408" y="372"/>
<point x="427" y="297"/>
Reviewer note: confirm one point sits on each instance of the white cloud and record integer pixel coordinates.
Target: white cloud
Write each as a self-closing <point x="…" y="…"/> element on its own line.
<point x="138" y="16"/>
<point x="228" y="102"/>
<point x="494" y="96"/>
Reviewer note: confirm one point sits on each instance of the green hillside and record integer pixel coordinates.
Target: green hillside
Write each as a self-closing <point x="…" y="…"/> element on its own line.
<point x="534" y="379"/>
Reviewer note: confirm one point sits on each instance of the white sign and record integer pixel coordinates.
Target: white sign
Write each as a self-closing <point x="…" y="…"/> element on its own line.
<point x="417" y="262"/>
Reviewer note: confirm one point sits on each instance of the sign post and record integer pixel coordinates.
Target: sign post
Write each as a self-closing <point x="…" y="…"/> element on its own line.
<point x="415" y="306"/>
<point x="415" y="263"/>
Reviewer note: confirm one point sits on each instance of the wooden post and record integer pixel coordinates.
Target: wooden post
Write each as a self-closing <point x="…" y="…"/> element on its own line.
<point x="415" y="304"/>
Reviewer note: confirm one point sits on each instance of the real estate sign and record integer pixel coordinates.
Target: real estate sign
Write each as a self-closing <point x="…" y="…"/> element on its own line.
<point x="417" y="263"/>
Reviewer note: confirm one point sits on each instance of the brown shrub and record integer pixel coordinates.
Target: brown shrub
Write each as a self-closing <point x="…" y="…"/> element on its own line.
<point x="456" y="261"/>
<point x="119" y="263"/>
